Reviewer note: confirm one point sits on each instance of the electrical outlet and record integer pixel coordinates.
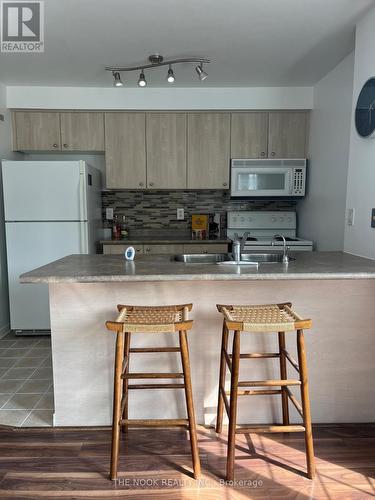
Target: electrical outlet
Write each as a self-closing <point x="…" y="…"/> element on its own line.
<point x="180" y="214"/>
<point x="351" y="216"/>
<point x="109" y="213"/>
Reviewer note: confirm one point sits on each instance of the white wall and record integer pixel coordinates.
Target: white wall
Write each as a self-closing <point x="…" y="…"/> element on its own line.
<point x="160" y="98"/>
<point x="360" y="238"/>
<point x="321" y="214"/>
<point x="5" y="152"/>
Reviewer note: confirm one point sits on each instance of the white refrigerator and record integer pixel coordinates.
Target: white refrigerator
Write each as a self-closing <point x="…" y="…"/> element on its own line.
<point x="52" y="209"/>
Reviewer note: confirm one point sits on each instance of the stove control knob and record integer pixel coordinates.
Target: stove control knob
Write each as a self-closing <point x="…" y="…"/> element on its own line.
<point x="289" y="219"/>
<point x="281" y="219"/>
<point x="250" y="219"/>
<point x="273" y="219"/>
<point x="242" y="219"/>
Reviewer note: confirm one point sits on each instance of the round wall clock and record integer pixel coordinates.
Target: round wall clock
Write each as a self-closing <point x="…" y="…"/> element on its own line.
<point x="365" y="110"/>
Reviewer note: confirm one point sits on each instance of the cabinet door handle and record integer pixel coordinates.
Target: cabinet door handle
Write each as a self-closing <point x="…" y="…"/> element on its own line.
<point x="262" y="153"/>
<point x="148" y="249"/>
<point x="273" y="153"/>
<point x="55" y="145"/>
<point x="66" y="145"/>
<point x="151" y="184"/>
<point x="225" y="184"/>
<point x="141" y="183"/>
<point x="138" y="249"/>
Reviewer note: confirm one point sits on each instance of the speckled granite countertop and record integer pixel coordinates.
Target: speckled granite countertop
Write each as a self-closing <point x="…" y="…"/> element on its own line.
<point x="109" y="268"/>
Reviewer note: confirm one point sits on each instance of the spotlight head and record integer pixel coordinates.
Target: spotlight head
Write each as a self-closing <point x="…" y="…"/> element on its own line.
<point x="170" y="76"/>
<point x="117" y="79"/>
<point x="142" y="80"/>
<point x="201" y="73"/>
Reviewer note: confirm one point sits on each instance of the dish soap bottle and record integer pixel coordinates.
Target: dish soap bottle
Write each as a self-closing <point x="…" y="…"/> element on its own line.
<point x="124" y="228"/>
<point x="116" y="228"/>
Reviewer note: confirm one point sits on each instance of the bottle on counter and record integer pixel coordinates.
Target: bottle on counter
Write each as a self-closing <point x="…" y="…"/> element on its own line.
<point x="124" y="228"/>
<point x="116" y="228"/>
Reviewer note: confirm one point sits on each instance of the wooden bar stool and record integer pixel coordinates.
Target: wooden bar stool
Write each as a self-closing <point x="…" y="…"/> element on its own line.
<point x="264" y="319"/>
<point x="139" y="319"/>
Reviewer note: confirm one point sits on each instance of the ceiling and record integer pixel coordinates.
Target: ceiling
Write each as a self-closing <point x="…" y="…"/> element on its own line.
<point x="250" y="42"/>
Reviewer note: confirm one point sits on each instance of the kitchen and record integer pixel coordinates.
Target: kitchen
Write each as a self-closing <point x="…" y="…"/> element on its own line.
<point x="296" y="151"/>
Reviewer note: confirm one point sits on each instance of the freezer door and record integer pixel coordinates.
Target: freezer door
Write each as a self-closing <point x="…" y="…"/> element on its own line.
<point x="44" y="190"/>
<point x="31" y="245"/>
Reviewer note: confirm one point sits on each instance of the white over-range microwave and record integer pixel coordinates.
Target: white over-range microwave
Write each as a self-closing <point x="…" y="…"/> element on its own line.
<point x="268" y="178"/>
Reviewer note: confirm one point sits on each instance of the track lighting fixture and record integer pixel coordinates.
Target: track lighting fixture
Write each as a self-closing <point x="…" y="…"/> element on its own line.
<point x="117" y="79"/>
<point x="201" y="73"/>
<point x="156" y="60"/>
<point x="142" y="80"/>
<point x="170" y="76"/>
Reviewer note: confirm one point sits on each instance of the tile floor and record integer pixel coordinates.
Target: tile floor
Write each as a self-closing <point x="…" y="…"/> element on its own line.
<point x="26" y="385"/>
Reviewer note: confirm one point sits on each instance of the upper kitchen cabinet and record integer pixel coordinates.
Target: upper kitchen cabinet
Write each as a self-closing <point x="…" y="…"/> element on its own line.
<point x="125" y="149"/>
<point x="166" y="150"/>
<point x="36" y="131"/>
<point x="82" y="131"/>
<point x="287" y="134"/>
<point x="249" y="135"/>
<point x="208" y="150"/>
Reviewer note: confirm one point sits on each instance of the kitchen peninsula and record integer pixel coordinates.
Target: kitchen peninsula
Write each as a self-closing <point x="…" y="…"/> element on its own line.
<point x="334" y="289"/>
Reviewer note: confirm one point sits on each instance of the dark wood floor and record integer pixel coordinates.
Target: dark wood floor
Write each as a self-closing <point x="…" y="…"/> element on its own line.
<point x="73" y="463"/>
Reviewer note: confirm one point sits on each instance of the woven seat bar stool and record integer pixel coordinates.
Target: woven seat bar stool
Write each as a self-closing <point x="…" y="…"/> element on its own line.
<point x="270" y="318"/>
<point x="150" y="320"/>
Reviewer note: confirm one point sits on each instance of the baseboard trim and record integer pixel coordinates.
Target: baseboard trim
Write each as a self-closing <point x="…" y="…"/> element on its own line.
<point x="4" y="330"/>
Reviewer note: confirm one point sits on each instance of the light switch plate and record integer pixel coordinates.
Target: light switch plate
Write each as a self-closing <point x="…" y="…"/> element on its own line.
<point x="351" y="216"/>
<point x="109" y="213"/>
<point x="180" y="214"/>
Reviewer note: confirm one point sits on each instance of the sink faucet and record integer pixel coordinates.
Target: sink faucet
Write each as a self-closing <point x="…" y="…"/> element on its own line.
<point x="238" y="246"/>
<point x="285" y="248"/>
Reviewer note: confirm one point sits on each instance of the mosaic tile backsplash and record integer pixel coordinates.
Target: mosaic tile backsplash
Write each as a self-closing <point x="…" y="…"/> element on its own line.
<point x="157" y="209"/>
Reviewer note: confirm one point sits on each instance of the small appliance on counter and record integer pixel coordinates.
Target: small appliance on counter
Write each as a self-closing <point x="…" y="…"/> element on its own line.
<point x="206" y="226"/>
<point x="261" y="227"/>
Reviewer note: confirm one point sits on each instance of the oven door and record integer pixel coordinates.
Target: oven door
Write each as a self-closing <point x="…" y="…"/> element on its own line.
<point x="261" y="181"/>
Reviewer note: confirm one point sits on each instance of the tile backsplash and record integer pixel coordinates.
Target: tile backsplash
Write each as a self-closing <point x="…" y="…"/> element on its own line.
<point x="157" y="209"/>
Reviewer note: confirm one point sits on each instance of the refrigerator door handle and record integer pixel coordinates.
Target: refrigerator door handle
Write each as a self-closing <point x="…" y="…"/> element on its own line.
<point x="83" y="244"/>
<point x="82" y="193"/>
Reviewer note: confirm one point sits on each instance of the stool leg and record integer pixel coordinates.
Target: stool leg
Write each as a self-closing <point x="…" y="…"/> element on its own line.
<point x="223" y="367"/>
<point x="306" y="404"/>
<point x="125" y="383"/>
<point x="189" y="403"/>
<point x="117" y="393"/>
<point x="283" y="376"/>
<point x="233" y="405"/>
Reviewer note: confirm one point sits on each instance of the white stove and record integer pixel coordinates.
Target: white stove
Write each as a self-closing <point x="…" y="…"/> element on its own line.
<point x="262" y="226"/>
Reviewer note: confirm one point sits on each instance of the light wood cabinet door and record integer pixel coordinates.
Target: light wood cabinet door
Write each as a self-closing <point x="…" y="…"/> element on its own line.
<point x="287" y="134"/>
<point x="109" y="249"/>
<point x="125" y="150"/>
<point x="249" y="135"/>
<point x="196" y="248"/>
<point x="208" y="150"/>
<point x="162" y="249"/>
<point x="82" y="131"/>
<point x="166" y="150"/>
<point x="36" y="131"/>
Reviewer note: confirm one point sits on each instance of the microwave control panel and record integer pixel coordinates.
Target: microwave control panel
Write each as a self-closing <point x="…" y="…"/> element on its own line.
<point x="299" y="181"/>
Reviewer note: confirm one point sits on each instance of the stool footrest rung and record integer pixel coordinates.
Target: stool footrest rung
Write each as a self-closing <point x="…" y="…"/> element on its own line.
<point x="257" y="392"/>
<point x="225" y="399"/>
<point x="268" y="383"/>
<point x="270" y="428"/>
<point x="291" y="360"/>
<point x="164" y="422"/>
<point x="151" y="375"/>
<point x="156" y="386"/>
<point x="155" y="349"/>
<point x="258" y="355"/>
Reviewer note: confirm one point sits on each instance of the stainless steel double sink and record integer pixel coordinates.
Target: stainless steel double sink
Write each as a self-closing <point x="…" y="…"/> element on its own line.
<point x="227" y="259"/>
